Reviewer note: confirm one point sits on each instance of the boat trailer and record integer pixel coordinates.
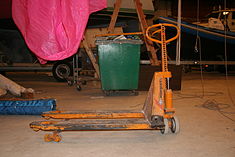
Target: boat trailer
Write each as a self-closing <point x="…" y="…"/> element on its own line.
<point x="157" y="113"/>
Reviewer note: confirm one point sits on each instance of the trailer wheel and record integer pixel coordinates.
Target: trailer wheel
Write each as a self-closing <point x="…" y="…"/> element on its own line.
<point x="165" y="129"/>
<point x="175" y="125"/>
<point x="62" y="70"/>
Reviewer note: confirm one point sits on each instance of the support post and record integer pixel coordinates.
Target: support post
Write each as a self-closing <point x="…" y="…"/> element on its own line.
<point x="178" y="44"/>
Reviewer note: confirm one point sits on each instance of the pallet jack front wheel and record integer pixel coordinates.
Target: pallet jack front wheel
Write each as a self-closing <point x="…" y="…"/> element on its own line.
<point x="48" y="137"/>
<point x="175" y="125"/>
<point x="57" y="138"/>
<point x="52" y="137"/>
<point x="165" y="129"/>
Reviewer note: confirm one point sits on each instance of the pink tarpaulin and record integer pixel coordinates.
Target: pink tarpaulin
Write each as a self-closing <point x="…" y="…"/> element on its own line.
<point x="53" y="29"/>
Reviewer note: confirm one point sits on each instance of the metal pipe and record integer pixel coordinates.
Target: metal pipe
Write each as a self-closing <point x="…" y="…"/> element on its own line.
<point x="178" y="46"/>
<point x="168" y="83"/>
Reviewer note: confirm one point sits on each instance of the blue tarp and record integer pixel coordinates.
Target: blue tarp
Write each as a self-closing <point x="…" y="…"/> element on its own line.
<point x="27" y="107"/>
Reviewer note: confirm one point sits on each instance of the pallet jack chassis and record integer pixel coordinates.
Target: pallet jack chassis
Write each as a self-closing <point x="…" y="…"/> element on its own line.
<point x="157" y="113"/>
<point x="111" y="120"/>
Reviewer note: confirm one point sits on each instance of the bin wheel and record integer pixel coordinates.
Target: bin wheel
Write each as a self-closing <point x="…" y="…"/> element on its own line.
<point x="175" y="125"/>
<point x="165" y="129"/>
<point x="107" y="92"/>
<point x="79" y="88"/>
<point x="135" y="93"/>
<point x="70" y="83"/>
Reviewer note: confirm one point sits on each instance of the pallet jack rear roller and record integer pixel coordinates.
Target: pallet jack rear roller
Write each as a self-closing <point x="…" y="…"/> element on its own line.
<point x="52" y="137"/>
<point x="157" y="113"/>
<point x="175" y="127"/>
<point x="165" y="129"/>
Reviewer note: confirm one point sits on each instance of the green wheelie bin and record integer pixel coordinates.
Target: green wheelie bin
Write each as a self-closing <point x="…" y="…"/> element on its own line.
<point x="119" y="62"/>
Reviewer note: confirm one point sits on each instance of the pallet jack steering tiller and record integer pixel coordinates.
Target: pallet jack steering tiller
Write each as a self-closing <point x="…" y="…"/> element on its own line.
<point x="157" y="113"/>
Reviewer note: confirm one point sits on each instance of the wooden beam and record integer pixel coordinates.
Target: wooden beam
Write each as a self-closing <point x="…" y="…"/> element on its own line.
<point x="91" y="56"/>
<point x="144" y="26"/>
<point x="117" y="6"/>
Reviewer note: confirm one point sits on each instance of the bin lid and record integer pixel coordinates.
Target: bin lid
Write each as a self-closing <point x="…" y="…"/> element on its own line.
<point x="108" y="40"/>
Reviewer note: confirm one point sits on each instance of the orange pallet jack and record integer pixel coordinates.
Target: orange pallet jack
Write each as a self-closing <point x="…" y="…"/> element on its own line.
<point x="157" y="113"/>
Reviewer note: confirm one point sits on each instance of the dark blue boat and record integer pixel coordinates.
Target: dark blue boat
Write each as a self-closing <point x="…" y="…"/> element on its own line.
<point x="211" y="44"/>
<point x="209" y="33"/>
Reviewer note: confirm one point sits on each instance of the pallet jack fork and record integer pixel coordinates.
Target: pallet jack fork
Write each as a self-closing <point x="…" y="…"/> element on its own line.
<point x="157" y="113"/>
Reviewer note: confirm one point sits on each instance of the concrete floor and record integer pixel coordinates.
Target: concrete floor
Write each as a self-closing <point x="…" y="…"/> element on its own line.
<point x="203" y="132"/>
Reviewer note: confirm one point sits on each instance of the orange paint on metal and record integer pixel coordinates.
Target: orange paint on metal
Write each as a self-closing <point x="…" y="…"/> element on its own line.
<point x="48" y="137"/>
<point x="52" y="137"/>
<point x="138" y="127"/>
<point x="158" y="96"/>
<point x="165" y="74"/>
<point x="134" y="33"/>
<point x="94" y="115"/>
<point x="55" y="111"/>
<point x="48" y="122"/>
<point x="170" y="110"/>
<point x="47" y="128"/>
<point x="160" y="25"/>
<point x="112" y="127"/>
<point x="168" y="98"/>
<point x="168" y="116"/>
